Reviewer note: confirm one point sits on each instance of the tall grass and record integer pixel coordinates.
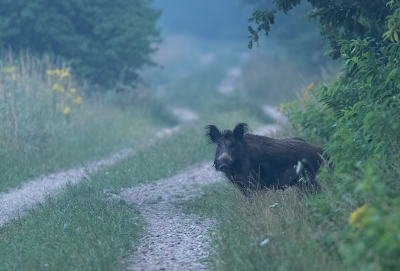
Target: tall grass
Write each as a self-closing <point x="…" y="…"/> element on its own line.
<point x="76" y="145"/>
<point x="270" y="230"/>
<point x="47" y="123"/>
<point x="88" y="227"/>
<point x="166" y="157"/>
<point x="32" y="101"/>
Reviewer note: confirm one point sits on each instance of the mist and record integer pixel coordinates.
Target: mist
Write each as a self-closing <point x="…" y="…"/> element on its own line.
<point x="203" y="56"/>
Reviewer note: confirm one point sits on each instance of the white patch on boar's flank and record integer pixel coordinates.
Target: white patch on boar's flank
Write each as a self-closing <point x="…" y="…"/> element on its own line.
<point x="299" y="167"/>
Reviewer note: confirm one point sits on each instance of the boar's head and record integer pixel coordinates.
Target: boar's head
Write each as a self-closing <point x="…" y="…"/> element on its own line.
<point x="230" y="146"/>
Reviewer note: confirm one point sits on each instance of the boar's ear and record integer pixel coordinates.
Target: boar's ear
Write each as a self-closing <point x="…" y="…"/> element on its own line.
<point x="240" y="130"/>
<point x="212" y="134"/>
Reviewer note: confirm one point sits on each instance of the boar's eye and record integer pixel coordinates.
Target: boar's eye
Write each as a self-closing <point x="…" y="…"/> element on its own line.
<point x="232" y="144"/>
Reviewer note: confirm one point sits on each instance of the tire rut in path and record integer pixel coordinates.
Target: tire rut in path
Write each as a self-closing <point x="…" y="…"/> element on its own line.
<point x="16" y="202"/>
<point x="175" y="240"/>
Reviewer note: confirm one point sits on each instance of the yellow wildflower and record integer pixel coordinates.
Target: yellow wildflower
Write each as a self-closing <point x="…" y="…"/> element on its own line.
<point x="63" y="73"/>
<point x="69" y="95"/>
<point x="72" y="90"/>
<point x="58" y="88"/>
<point x="9" y="69"/>
<point x="310" y="86"/>
<point x="8" y="94"/>
<point x="59" y="73"/>
<point x="356" y="215"/>
<point x="77" y="100"/>
<point x="67" y="110"/>
<point x="55" y="87"/>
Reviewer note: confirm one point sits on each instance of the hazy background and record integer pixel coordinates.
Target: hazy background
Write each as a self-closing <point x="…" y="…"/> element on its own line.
<point x="77" y="82"/>
<point x="203" y="54"/>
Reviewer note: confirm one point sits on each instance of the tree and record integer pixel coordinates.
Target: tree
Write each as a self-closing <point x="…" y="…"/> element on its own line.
<point x="105" y="41"/>
<point x="294" y="33"/>
<point x="338" y="20"/>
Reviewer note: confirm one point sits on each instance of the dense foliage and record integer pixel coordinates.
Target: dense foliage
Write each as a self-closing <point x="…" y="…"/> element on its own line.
<point x="347" y="19"/>
<point x="356" y="117"/>
<point x="106" y="41"/>
<point x="296" y="33"/>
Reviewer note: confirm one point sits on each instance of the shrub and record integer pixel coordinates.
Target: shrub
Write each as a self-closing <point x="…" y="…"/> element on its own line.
<point x="356" y="116"/>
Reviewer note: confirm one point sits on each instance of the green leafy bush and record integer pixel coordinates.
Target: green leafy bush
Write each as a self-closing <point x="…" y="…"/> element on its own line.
<point x="106" y="41"/>
<point x="356" y="118"/>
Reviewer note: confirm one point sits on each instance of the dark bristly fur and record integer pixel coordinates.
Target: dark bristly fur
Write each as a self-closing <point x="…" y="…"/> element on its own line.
<point x="256" y="162"/>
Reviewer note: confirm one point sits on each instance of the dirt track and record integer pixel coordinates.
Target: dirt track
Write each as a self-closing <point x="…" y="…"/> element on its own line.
<point x="17" y="201"/>
<point x="174" y="241"/>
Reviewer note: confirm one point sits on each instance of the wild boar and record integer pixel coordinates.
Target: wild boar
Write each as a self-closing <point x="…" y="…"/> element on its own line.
<point x="256" y="162"/>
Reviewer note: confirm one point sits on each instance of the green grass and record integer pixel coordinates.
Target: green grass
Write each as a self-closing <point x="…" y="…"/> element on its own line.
<point x="168" y="156"/>
<point x="83" y="229"/>
<point x="296" y="241"/>
<point x="98" y="133"/>
<point x="79" y="230"/>
<point x="48" y="122"/>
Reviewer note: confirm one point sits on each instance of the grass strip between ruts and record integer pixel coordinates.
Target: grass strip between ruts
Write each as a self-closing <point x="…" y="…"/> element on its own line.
<point x="85" y="228"/>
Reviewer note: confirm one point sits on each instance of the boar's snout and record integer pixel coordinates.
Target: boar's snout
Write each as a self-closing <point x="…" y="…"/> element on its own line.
<point x="223" y="162"/>
<point x="223" y="167"/>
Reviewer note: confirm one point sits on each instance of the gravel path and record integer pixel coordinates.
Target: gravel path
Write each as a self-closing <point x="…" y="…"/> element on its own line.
<point x="175" y="241"/>
<point x="17" y="201"/>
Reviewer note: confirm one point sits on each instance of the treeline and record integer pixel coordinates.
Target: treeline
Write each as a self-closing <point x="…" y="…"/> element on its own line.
<point x="105" y="42"/>
<point x="356" y="118"/>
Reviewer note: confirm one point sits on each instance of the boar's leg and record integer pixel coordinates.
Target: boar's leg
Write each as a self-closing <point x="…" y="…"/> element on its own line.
<point x="287" y="177"/>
